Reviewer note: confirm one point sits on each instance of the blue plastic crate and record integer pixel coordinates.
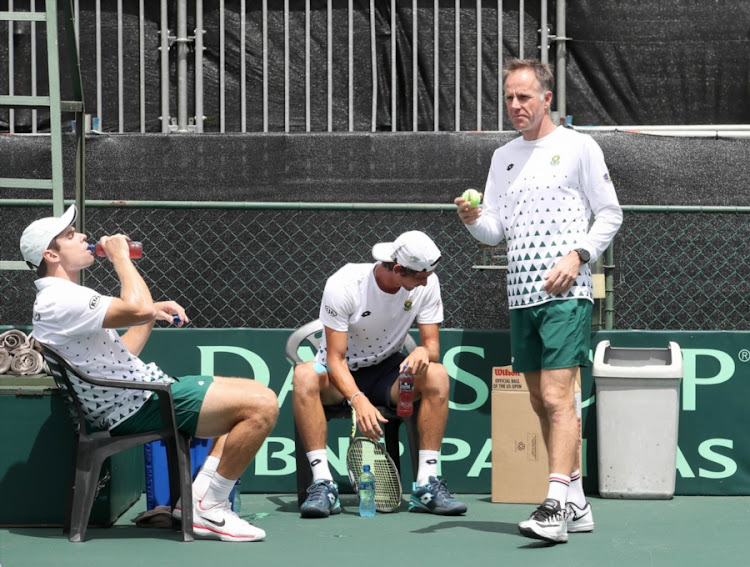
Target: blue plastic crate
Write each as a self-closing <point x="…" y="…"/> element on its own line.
<point x="157" y="474"/>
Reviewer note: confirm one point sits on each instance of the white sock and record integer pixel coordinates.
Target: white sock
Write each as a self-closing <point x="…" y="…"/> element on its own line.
<point x="428" y="466"/>
<point x="204" y="476"/>
<point x="558" y="488"/>
<point x="218" y="491"/>
<point x="575" y="492"/>
<point x="319" y="465"/>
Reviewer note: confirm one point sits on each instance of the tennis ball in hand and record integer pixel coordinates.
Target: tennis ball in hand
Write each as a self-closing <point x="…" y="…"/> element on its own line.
<point x="471" y="196"/>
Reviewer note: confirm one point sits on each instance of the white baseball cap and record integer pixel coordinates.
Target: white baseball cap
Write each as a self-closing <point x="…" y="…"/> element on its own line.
<point x="37" y="237"/>
<point x="414" y="250"/>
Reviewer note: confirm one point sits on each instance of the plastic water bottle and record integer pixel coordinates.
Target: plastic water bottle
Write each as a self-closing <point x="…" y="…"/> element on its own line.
<point x="237" y="500"/>
<point x="366" y="493"/>
<point x="136" y="249"/>
<point x="405" y="394"/>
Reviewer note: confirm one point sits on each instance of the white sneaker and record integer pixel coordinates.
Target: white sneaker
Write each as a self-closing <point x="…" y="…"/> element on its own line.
<point x="579" y="519"/>
<point x="177" y="512"/>
<point x="219" y="522"/>
<point x="546" y="523"/>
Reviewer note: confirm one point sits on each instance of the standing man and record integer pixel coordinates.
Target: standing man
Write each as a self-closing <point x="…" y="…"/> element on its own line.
<point x="367" y="310"/>
<point x="80" y="324"/>
<point x="542" y="190"/>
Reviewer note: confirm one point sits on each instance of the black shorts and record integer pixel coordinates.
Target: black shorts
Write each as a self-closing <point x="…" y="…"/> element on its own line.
<point x="376" y="381"/>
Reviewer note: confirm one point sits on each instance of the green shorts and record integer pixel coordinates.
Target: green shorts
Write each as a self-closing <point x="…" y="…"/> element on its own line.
<point x="556" y="334"/>
<point x="188" y="393"/>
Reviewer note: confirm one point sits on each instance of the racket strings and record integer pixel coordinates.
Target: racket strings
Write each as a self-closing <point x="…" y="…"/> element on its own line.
<point x="388" y="489"/>
<point x="387" y="482"/>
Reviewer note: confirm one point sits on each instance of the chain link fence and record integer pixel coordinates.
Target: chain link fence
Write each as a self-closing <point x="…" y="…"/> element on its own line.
<point x="262" y="265"/>
<point x="682" y="269"/>
<point x="265" y="267"/>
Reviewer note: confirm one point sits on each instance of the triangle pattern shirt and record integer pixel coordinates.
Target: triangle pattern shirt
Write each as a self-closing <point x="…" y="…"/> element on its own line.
<point x="376" y="321"/>
<point x="68" y="318"/>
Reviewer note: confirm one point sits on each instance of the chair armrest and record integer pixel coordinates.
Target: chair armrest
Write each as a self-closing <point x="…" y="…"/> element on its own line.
<point x="409" y="343"/>
<point x="298" y="336"/>
<point x="164" y="389"/>
<point x="125" y="384"/>
<point x="165" y="399"/>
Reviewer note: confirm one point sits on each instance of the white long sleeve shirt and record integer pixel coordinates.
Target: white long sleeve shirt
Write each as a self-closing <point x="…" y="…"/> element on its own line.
<point x="540" y="197"/>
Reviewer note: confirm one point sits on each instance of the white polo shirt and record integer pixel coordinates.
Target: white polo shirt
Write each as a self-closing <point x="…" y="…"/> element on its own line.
<point x="376" y="321"/>
<point x="69" y="318"/>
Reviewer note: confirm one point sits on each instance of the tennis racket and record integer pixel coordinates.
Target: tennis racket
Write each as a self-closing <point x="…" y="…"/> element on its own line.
<point x="364" y="451"/>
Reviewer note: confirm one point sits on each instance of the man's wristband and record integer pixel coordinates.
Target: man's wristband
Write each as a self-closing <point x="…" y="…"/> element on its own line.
<point x="350" y="400"/>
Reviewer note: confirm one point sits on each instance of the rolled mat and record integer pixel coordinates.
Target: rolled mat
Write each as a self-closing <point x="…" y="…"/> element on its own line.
<point x="4" y="360"/>
<point x="27" y="361"/>
<point x="14" y="339"/>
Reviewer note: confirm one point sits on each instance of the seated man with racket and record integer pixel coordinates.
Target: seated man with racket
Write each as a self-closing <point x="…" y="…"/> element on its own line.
<point x="367" y="310"/>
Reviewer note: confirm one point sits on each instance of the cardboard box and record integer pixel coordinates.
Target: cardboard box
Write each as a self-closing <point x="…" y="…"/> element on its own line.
<point x="520" y="470"/>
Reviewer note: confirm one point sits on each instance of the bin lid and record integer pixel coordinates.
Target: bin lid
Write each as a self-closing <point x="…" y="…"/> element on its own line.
<point x="619" y="362"/>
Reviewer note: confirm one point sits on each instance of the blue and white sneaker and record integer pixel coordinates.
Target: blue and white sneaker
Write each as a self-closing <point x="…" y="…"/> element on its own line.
<point x="322" y="500"/>
<point x="434" y="498"/>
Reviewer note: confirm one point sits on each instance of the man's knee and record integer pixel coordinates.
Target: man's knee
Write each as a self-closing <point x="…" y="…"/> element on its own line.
<point x="436" y="382"/>
<point x="263" y="407"/>
<point x="306" y="379"/>
<point x="269" y="404"/>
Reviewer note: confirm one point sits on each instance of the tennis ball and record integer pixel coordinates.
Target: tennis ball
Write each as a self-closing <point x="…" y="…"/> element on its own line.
<point x="471" y="196"/>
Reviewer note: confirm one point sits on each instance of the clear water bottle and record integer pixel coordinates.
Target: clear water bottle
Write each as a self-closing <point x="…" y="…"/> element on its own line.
<point x="237" y="499"/>
<point x="136" y="249"/>
<point x="366" y="493"/>
<point x="405" y="394"/>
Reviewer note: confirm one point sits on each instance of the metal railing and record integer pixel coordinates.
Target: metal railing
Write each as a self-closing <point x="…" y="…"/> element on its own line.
<point x="175" y="66"/>
<point x="264" y="265"/>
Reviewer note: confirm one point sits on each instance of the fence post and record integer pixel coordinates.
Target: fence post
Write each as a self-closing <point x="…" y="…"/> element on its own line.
<point x="609" y="287"/>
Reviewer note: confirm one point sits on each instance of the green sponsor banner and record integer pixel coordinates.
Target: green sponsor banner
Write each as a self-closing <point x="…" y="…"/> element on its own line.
<point x="259" y="354"/>
<point x="712" y="458"/>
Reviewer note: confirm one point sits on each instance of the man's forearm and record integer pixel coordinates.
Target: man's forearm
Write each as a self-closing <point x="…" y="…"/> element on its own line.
<point x="134" y="290"/>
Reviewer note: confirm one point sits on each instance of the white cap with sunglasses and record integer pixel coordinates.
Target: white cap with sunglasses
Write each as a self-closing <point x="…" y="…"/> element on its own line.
<point x="414" y="250"/>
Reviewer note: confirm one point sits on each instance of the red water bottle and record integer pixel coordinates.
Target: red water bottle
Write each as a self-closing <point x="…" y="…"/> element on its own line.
<point x="136" y="249"/>
<point x="405" y="393"/>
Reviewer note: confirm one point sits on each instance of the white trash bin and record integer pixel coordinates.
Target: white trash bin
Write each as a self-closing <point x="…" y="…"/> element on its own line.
<point x="637" y="416"/>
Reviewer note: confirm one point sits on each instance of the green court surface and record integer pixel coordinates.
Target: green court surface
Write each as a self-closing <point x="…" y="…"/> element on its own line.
<point x="684" y="531"/>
